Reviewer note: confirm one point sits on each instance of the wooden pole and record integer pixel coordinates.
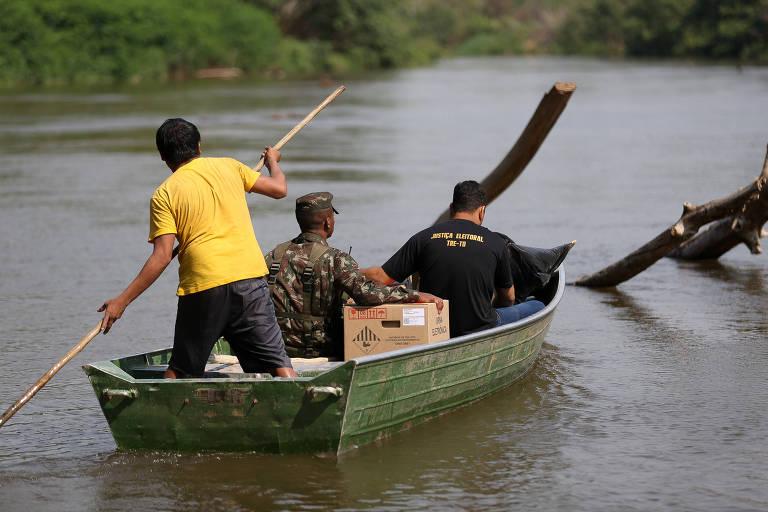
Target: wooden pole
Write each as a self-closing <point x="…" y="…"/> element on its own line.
<point x="49" y="374"/>
<point x="544" y="118"/>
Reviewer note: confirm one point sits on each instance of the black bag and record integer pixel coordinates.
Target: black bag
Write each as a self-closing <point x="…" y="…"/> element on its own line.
<point x="532" y="267"/>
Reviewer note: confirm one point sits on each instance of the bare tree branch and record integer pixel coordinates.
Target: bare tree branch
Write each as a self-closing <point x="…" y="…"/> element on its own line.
<point x="751" y="200"/>
<point x="745" y="227"/>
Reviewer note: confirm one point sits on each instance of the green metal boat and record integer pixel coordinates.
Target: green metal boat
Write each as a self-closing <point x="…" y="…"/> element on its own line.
<point x="331" y="407"/>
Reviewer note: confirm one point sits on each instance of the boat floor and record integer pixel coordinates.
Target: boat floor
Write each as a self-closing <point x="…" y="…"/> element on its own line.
<point x="222" y="366"/>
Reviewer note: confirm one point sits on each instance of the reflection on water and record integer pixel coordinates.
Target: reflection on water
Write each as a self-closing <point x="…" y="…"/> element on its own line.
<point x="751" y="280"/>
<point x="651" y="396"/>
<point x="651" y="327"/>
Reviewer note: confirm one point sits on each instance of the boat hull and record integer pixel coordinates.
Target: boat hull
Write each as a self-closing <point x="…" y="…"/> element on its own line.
<point x="220" y="414"/>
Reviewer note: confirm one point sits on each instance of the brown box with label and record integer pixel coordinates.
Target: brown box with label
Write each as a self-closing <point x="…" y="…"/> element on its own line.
<point x="377" y="329"/>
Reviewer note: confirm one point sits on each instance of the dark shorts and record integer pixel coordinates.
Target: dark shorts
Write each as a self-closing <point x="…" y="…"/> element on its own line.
<point x="243" y="313"/>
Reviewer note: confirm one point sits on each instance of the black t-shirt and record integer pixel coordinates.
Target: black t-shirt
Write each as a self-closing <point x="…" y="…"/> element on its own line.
<point x="459" y="261"/>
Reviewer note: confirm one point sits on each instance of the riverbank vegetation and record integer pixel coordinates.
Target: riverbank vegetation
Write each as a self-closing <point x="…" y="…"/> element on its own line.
<point x="50" y="42"/>
<point x="732" y="30"/>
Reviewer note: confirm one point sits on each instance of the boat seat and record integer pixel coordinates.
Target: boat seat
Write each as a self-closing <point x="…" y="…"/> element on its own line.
<point x="303" y="366"/>
<point x="212" y="370"/>
<point x="228" y="367"/>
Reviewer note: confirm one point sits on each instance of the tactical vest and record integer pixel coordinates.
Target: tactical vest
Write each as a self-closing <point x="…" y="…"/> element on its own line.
<point x="309" y="336"/>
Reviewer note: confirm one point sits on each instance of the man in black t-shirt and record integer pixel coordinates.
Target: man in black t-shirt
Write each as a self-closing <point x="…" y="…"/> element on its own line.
<point x="463" y="262"/>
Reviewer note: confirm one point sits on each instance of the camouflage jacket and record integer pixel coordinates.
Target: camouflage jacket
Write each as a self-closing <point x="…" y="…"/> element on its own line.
<point x="335" y="273"/>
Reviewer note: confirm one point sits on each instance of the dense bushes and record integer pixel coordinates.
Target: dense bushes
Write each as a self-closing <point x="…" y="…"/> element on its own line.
<point x="92" y="41"/>
<point x="710" y="29"/>
<point x="45" y="42"/>
<point x="706" y="29"/>
<point x="97" y="41"/>
<point x="353" y="35"/>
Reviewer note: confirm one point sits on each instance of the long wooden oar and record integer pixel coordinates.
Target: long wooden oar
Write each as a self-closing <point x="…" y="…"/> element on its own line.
<point x="288" y="136"/>
<point x="49" y="374"/>
<point x="304" y="122"/>
<point x="97" y="329"/>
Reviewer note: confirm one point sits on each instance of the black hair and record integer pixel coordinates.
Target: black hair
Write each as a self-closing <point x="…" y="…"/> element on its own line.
<point x="468" y="196"/>
<point x="312" y="220"/>
<point x="177" y="141"/>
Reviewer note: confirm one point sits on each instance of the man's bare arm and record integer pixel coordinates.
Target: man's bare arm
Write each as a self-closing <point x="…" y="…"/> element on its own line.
<point x="377" y="275"/>
<point x="274" y="185"/>
<point x="505" y="297"/>
<point x="157" y="262"/>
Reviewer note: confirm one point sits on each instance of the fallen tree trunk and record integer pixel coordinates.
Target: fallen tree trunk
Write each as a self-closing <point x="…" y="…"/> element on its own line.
<point x="751" y="198"/>
<point x="544" y="118"/>
<point x="745" y="227"/>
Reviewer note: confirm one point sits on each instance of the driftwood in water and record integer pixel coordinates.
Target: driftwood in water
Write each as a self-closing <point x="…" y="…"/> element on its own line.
<point x="746" y="227"/>
<point x="744" y="208"/>
<point x="544" y="118"/>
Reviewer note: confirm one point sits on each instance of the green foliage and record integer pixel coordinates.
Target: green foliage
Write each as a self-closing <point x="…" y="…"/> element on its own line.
<point x="422" y="51"/>
<point x="297" y="57"/>
<point x="652" y="27"/>
<point x="97" y="41"/>
<point x="715" y="29"/>
<point x="491" y="44"/>
<point x="93" y="41"/>
<point x="731" y="29"/>
<point x="449" y="22"/>
<point x="594" y="30"/>
<point x="368" y="32"/>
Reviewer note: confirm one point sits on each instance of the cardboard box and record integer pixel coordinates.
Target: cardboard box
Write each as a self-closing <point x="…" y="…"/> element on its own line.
<point x="377" y="329"/>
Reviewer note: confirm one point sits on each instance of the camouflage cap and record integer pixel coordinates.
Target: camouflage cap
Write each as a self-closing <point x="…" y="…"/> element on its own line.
<point x="315" y="201"/>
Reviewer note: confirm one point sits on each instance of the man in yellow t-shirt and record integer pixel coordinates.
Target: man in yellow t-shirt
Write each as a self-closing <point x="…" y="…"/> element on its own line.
<point x="222" y="290"/>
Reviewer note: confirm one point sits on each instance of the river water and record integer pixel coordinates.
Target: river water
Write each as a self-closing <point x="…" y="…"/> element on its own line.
<point x="650" y="396"/>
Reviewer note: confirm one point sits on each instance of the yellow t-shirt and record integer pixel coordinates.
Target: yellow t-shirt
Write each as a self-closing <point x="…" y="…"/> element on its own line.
<point x="203" y="204"/>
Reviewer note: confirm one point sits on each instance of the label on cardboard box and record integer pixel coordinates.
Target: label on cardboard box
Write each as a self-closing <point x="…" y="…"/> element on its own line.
<point x="414" y="316"/>
<point x="367" y="313"/>
<point x="366" y="340"/>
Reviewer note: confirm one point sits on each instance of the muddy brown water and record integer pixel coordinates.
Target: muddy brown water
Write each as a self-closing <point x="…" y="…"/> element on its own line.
<point x="652" y="396"/>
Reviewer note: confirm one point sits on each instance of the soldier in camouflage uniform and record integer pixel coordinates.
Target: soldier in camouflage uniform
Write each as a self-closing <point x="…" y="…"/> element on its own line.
<point x="307" y="278"/>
